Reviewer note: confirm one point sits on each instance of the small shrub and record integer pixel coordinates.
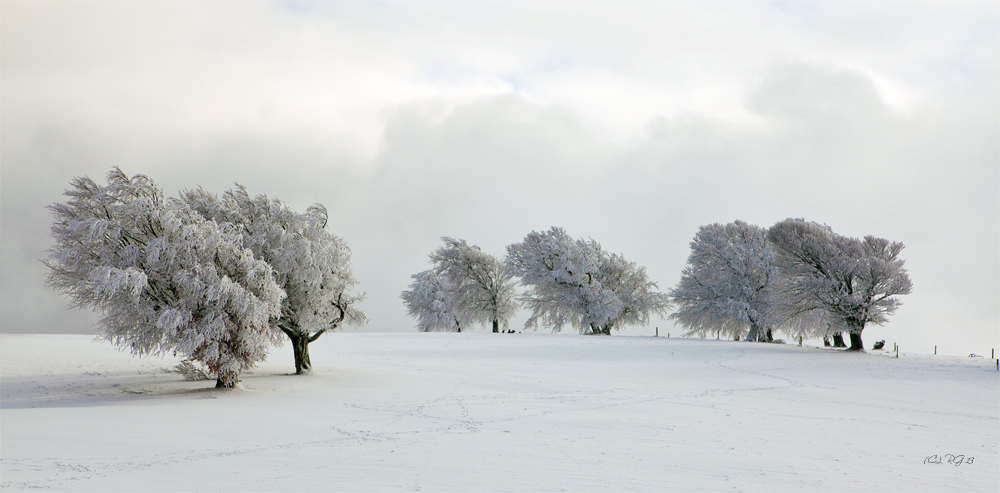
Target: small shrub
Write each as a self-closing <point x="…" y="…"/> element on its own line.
<point x="191" y="371"/>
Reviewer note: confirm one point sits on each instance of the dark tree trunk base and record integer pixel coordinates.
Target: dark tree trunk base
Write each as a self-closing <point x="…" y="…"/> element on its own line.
<point x="496" y="326"/>
<point x="838" y="340"/>
<point x="227" y="380"/>
<point x="300" y="346"/>
<point x="856" y="344"/>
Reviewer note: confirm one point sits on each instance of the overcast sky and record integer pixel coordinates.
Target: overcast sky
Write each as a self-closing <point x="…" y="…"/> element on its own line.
<point x="629" y="122"/>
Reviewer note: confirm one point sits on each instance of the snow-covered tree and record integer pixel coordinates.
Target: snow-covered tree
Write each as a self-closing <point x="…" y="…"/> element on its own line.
<point x="637" y="295"/>
<point x="482" y="288"/>
<point x="574" y="282"/>
<point x="856" y="282"/>
<point x="561" y="275"/>
<point x="433" y="302"/>
<point x="311" y="265"/>
<point x="165" y="278"/>
<point x="726" y="286"/>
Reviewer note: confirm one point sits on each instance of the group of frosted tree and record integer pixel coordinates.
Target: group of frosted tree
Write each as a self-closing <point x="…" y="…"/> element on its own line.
<point x="798" y="277"/>
<point x="215" y="279"/>
<point x="568" y="281"/>
<point x="221" y="279"/>
<point x="741" y="281"/>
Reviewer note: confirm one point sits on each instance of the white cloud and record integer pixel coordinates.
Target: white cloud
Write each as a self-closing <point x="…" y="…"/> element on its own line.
<point x="633" y="123"/>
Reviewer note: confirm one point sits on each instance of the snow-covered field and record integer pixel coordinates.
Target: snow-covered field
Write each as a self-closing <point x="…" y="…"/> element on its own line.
<point x="507" y="412"/>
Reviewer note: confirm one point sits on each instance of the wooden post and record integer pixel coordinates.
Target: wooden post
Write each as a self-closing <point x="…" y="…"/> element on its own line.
<point x="657" y="332"/>
<point x="935" y="349"/>
<point x="897" y="351"/>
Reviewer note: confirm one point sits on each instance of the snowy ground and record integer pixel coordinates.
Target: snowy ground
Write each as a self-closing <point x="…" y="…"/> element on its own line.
<point x="508" y="412"/>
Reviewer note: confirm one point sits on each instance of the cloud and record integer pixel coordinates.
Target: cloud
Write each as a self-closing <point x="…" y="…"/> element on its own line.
<point x="829" y="149"/>
<point x="633" y="125"/>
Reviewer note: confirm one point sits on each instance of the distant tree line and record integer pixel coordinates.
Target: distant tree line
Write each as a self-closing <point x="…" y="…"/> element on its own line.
<point x="741" y="281"/>
<point x="569" y="282"/>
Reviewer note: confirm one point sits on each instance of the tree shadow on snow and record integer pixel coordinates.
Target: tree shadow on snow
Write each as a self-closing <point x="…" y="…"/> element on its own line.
<point x="99" y="389"/>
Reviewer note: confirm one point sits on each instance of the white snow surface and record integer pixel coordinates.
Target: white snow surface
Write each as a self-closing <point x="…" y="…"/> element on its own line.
<point x="500" y="412"/>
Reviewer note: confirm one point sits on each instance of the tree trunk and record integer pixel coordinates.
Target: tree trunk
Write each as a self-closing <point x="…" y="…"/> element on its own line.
<point x="604" y="330"/>
<point x="300" y="346"/>
<point x="496" y="326"/>
<point x="838" y="340"/>
<point x="856" y="344"/>
<point x="826" y="342"/>
<point x="227" y="379"/>
<point x="770" y="338"/>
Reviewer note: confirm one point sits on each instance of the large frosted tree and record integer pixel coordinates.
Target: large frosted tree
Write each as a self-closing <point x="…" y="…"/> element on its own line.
<point x="855" y="282"/>
<point x="165" y="278"/>
<point x="482" y="288"/>
<point x="311" y="265"/>
<point x="574" y="282"/>
<point x="727" y="285"/>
